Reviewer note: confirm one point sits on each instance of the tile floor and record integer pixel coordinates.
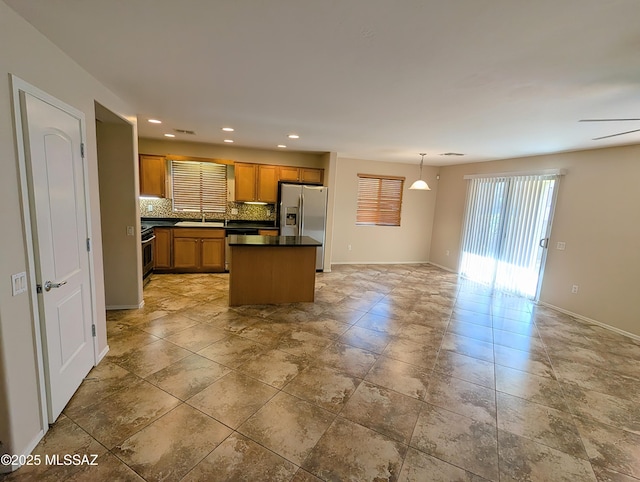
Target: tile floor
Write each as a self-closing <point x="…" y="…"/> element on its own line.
<point x="395" y="373"/>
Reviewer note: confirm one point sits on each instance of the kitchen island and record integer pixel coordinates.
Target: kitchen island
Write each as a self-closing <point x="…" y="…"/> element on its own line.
<point x="272" y="269"/>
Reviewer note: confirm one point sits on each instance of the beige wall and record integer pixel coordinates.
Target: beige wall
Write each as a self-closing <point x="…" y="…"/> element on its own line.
<point x="597" y="216"/>
<point x="30" y="56"/>
<point x="408" y="243"/>
<point x="121" y="252"/>
<point x="240" y="154"/>
<point x="330" y="168"/>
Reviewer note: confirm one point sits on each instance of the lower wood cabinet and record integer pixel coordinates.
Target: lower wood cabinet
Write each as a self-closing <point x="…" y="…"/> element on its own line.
<point x="198" y="250"/>
<point x="162" y="249"/>
<point x="268" y="232"/>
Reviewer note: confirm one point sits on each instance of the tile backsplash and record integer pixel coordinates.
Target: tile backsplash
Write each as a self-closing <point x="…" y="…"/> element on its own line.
<point x="162" y="208"/>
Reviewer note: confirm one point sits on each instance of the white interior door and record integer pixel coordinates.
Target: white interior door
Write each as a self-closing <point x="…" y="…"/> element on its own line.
<point x="58" y="205"/>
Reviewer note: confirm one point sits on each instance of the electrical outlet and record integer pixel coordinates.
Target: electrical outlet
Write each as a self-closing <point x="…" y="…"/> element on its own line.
<point x="234" y="210"/>
<point x="574" y="289"/>
<point x="268" y="212"/>
<point x="446" y="252"/>
<point x="349" y="247"/>
<point x="150" y="208"/>
<point x="561" y="245"/>
<point x="130" y="231"/>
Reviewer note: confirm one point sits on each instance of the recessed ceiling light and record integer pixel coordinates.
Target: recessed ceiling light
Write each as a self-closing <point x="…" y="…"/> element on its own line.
<point x="451" y="154"/>
<point x="228" y="129"/>
<point x="155" y="121"/>
<point x="228" y="140"/>
<point x="282" y="146"/>
<point x="169" y="135"/>
<point x="294" y="136"/>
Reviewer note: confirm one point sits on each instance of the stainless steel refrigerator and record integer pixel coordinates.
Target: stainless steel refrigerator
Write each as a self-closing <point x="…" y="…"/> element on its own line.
<point x="303" y="212"/>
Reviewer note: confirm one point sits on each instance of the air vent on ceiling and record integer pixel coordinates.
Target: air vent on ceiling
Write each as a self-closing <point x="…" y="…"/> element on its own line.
<point x="183" y="131"/>
<point x="451" y="154"/>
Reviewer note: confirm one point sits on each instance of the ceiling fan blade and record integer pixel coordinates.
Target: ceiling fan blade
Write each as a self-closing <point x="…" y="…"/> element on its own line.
<point x="607" y="120"/>
<point x="614" y="135"/>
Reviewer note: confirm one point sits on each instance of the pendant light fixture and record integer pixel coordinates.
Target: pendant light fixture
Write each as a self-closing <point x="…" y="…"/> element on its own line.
<point x="420" y="184"/>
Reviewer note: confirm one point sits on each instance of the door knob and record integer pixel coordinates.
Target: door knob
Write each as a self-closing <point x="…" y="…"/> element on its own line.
<point x="49" y="284"/>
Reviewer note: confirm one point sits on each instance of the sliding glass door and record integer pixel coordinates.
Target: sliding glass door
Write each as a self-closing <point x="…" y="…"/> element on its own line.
<point x="506" y="231"/>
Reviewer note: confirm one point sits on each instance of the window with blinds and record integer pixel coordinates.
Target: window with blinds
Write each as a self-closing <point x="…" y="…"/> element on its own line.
<point x="199" y="186"/>
<point x="506" y="230"/>
<point x="379" y="200"/>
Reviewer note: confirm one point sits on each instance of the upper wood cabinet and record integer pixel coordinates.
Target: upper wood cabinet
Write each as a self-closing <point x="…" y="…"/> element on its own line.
<point x="267" y="183"/>
<point x="245" y="175"/>
<point x="301" y="174"/>
<point x="288" y="173"/>
<point x="152" y="175"/>
<point x="259" y="182"/>
<point x="312" y="176"/>
<point x="256" y="182"/>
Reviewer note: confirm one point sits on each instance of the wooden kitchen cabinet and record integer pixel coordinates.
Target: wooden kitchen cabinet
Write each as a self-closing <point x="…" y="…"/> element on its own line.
<point x="256" y="182"/>
<point x="198" y="250"/>
<point x="267" y="183"/>
<point x="289" y="173"/>
<point x="212" y="254"/>
<point x="152" y="175"/>
<point x="162" y="249"/>
<point x="245" y="175"/>
<point x="311" y="176"/>
<point x="300" y="174"/>
<point x="268" y="232"/>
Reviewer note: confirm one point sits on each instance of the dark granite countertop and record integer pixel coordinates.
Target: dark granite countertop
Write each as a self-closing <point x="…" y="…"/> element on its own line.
<point x="272" y="241"/>
<point x="251" y="224"/>
<point x="230" y="225"/>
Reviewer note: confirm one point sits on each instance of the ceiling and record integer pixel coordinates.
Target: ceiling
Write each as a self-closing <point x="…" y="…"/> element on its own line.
<point x="369" y="79"/>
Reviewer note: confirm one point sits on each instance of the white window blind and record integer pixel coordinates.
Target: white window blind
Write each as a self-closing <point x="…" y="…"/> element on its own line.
<point x="507" y="223"/>
<point x="379" y="200"/>
<point x="199" y="186"/>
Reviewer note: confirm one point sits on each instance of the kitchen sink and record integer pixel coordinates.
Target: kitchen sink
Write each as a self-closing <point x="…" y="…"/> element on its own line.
<point x="200" y="224"/>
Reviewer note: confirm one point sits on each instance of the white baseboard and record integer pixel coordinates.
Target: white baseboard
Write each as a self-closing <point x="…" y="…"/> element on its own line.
<point x="379" y="262"/>
<point x="6" y="469"/>
<point x="590" y="320"/>
<point x="125" y="307"/>
<point x="443" y="267"/>
<point x="103" y="353"/>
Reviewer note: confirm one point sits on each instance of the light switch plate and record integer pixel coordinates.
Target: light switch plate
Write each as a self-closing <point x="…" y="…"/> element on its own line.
<point x="130" y="231"/>
<point x="561" y="245"/>
<point x="19" y="283"/>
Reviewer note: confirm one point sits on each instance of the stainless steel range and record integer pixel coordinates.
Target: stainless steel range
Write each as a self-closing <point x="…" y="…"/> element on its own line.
<point x="148" y="247"/>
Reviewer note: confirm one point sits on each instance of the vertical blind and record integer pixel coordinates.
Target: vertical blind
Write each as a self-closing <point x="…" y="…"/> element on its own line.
<point x="379" y="200"/>
<point x="199" y="186"/>
<point x="506" y="225"/>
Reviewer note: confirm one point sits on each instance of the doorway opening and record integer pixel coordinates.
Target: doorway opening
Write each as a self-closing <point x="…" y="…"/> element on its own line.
<point x="506" y="231"/>
<point x="119" y="210"/>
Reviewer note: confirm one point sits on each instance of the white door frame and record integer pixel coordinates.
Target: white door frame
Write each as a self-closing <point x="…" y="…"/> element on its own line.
<point x="18" y="85"/>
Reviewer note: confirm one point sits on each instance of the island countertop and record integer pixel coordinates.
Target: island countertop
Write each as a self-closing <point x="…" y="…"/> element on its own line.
<point x="272" y="241"/>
